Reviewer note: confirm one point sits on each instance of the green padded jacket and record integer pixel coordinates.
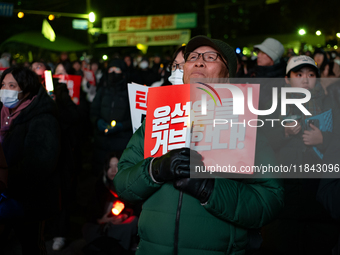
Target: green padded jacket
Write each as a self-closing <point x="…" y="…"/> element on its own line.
<point x="173" y="222"/>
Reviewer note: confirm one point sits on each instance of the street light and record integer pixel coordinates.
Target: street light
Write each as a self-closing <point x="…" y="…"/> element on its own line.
<point x="20" y="15"/>
<point x="92" y="17"/>
<point x="318" y="33"/>
<point x="338" y="35"/>
<point x="302" y="31"/>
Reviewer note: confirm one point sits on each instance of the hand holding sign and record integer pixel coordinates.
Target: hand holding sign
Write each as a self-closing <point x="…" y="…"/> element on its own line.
<point x="175" y="164"/>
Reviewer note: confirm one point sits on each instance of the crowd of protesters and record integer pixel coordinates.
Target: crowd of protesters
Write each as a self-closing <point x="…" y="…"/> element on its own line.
<point x="43" y="136"/>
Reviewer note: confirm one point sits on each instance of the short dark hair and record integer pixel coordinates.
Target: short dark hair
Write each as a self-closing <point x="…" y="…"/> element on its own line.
<point x="47" y="67"/>
<point x="179" y="49"/>
<point x="27" y="80"/>
<point x="67" y="66"/>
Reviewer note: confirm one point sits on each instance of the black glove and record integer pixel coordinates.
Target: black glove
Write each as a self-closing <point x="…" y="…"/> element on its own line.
<point x="197" y="188"/>
<point x="175" y="164"/>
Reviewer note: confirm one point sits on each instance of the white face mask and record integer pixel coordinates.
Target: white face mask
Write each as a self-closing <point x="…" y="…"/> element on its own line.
<point x="143" y="64"/>
<point x="176" y="77"/>
<point x="9" y="97"/>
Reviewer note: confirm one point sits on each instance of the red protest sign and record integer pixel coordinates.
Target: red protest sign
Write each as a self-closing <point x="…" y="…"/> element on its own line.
<point x="73" y="83"/>
<point x="220" y="136"/>
<point x="2" y="69"/>
<point x="90" y="76"/>
<point x="166" y="119"/>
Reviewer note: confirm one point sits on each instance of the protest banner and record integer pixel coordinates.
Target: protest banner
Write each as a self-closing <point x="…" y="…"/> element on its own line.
<point x="73" y="83"/>
<point x="149" y="23"/>
<point x="150" y="38"/>
<point x="203" y="115"/>
<point x="2" y="69"/>
<point x="137" y="99"/>
<point x="90" y="76"/>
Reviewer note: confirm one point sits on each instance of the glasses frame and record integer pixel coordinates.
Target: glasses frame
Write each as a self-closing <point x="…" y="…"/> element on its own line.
<point x="177" y="67"/>
<point x="203" y="58"/>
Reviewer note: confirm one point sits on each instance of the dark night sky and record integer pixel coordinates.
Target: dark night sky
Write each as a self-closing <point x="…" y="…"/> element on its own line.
<point x="240" y="18"/>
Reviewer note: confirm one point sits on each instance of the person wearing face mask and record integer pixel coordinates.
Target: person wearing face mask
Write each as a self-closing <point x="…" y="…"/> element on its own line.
<point x="110" y="114"/>
<point x="147" y="77"/>
<point x="30" y="137"/>
<point x="176" y="66"/>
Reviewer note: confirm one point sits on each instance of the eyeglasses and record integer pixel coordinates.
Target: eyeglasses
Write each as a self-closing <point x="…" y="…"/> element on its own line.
<point x="208" y="56"/>
<point x="174" y="66"/>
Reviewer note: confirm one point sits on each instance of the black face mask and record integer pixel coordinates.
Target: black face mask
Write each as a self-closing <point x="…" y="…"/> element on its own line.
<point x="114" y="77"/>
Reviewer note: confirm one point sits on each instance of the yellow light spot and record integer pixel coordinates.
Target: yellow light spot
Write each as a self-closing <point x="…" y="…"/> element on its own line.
<point x="51" y="17"/>
<point x="20" y="15"/>
<point x="113" y="123"/>
<point x="106" y="130"/>
<point x="142" y="47"/>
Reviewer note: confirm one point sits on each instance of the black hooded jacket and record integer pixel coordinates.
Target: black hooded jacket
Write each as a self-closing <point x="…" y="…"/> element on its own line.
<point x="31" y="147"/>
<point x="262" y="74"/>
<point x="112" y="103"/>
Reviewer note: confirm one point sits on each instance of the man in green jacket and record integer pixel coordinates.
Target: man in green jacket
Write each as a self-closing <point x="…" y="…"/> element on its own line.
<point x="185" y="216"/>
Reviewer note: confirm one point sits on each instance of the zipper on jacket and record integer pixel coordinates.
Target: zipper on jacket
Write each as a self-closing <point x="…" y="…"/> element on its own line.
<point x="178" y="214"/>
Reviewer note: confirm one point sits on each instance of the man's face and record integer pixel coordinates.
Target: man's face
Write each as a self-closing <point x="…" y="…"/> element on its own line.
<point x="303" y="78"/>
<point x="263" y="59"/>
<point x="203" y="69"/>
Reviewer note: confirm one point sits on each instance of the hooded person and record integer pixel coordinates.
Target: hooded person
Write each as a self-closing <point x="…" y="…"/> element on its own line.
<point x="270" y="64"/>
<point x="116" y="76"/>
<point x="147" y="76"/>
<point x="30" y="138"/>
<point x="183" y="215"/>
<point x="110" y="114"/>
<point x="269" y="61"/>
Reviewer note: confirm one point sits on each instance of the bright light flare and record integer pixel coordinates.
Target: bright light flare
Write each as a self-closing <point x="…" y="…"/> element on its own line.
<point x="117" y="208"/>
<point x="92" y="17"/>
<point x="302" y="31"/>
